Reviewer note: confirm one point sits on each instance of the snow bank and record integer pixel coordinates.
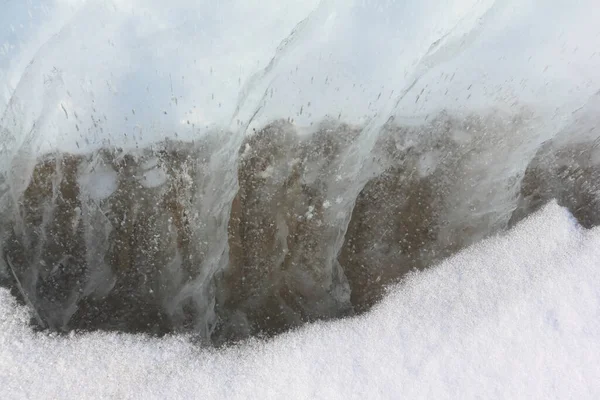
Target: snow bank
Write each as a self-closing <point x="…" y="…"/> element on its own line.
<point x="516" y="316"/>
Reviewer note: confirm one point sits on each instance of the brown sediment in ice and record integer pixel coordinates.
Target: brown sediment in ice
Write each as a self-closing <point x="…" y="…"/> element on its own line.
<point x="115" y="240"/>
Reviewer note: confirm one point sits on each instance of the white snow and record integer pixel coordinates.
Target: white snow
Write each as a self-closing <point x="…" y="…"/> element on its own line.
<point x="516" y="316"/>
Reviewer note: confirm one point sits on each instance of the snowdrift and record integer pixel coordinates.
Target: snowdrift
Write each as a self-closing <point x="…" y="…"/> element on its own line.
<point x="514" y="316"/>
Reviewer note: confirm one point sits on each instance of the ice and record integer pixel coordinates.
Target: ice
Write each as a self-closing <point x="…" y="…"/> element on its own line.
<point x="515" y="316"/>
<point x="227" y="169"/>
<point x="153" y="177"/>
<point x="149" y="68"/>
<point x="100" y="182"/>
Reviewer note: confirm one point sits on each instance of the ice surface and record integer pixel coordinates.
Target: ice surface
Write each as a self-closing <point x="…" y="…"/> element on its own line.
<point x="513" y="85"/>
<point x="77" y="74"/>
<point x="514" y="316"/>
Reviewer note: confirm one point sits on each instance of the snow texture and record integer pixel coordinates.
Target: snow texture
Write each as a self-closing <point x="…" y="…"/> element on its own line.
<point x="515" y="316"/>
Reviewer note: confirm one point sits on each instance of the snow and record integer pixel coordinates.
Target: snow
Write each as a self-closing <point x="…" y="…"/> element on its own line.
<point x="515" y="316"/>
